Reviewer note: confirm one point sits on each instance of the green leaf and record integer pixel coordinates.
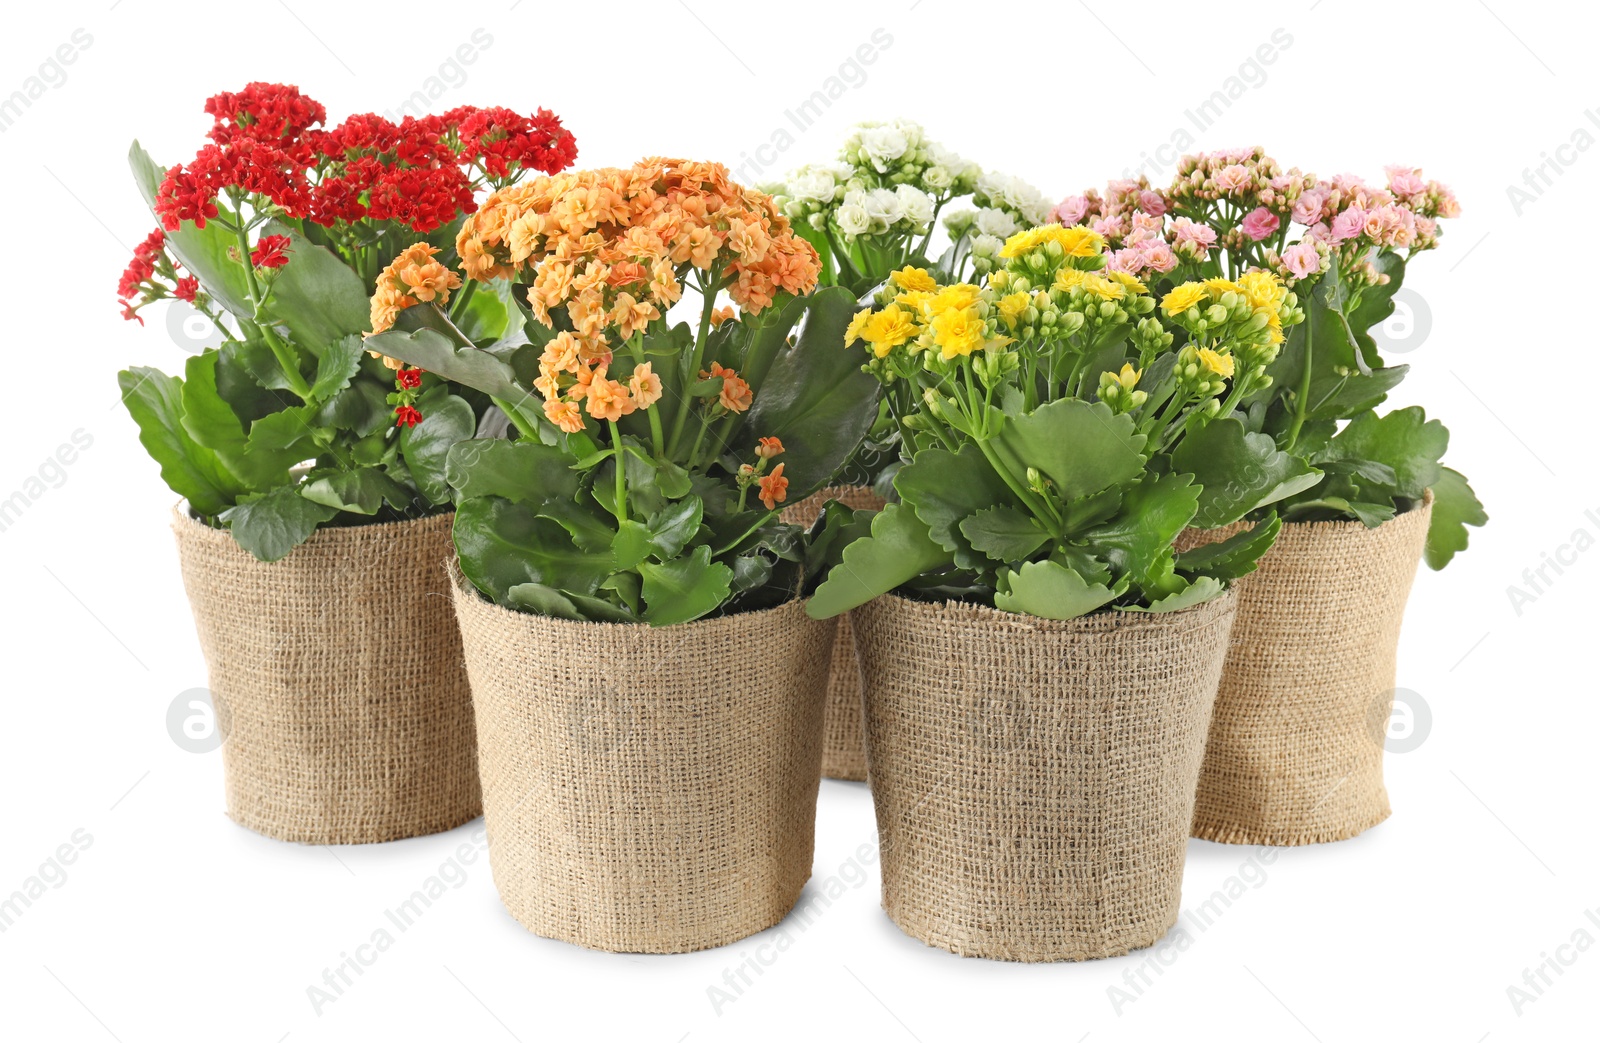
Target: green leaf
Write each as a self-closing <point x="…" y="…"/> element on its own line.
<point x="675" y="525"/>
<point x="316" y="295"/>
<point x="204" y="251"/>
<point x="813" y="395"/>
<point x="1082" y="447"/>
<point x="340" y="362"/>
<point x="1138" y="540"/>
<point x="1198" y="591"/>
<point x="1334" y="396"/>
<point x="898" y="551"/>
<point x="502" y="544"/>
<point x="1235" y="556"/>
<point x="1405" y="440"/>
<point x="524" y="472"/>
<point x="426" y="446"/>
<point x="284" y="430"/>
<point x="211" y="422"/>
<point x="601" y="610"/>
<point x="154" y="400"/>
<point x="362" y="491"/>
<point x="1050" y="591"/>
<point x="437" y="353"/>
<point x="1455" y="506"/>
<point x="684" y="588"/>
<point x="1238" y="471"/>
<point x="363" y="407"/>
<point x="1003" y="533"/>
<point x="631" y="544"/>
<point x="944" y="489"/>
<point x="275" y="524"/>
<point x="590" y="530"/>
<point x="542" y="601"/>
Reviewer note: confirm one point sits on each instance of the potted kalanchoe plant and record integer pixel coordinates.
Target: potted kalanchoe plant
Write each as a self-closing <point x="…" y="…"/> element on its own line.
<point x="316" y="512"/>
<point x="641" y="666"/>
<point x="872" y="212"/>
<point x="1027" y="628"/>
<point x="1292" y="755"/>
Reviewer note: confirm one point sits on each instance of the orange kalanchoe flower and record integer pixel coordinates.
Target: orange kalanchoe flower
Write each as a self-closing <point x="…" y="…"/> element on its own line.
<point x="412" y="278"/>
<point x="774" y="487"/>
<point x="607" y="399"/>
<point x="735" y="396"/>
<point x="645" y="386"/>
<point x="767" y="448"/>
<point x="721" y="315"/>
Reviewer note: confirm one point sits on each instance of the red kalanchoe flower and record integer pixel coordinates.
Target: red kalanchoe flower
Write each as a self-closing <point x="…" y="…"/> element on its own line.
<point x="407" y="416"/>
<point x="128" y="312"/>
<point x="186" y="289"/>
<point x="143" y="264"/>
<point x="269" y="252"/>
<point x="409" y="378"/>
<point x="268" y="112"/>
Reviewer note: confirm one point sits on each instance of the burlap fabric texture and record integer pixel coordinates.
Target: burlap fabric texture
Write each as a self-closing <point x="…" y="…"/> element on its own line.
<point x="1296" y="748"/>
<point x="844" y="752"/>
<point x="1034" y="779"/>
<point x="648" y="789"/>
<point x="338" y="681"/>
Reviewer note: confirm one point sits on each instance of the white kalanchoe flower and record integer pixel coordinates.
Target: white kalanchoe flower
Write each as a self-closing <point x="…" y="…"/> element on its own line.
<point x="852" y="219"/>
<point x="996" y="222"/>
<point x="916" y="206"/>
<point x="957" y="222"/>
<point x="880" y="145"/>
<point x="987" y="246"/>
<point x="883" y="207"/>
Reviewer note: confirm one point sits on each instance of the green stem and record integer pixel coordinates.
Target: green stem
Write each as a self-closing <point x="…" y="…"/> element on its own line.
<point x="764" y="519"/>
<point x="657" y="441"/>
<point x="460" y="306"/>
<point x="1303" y="396"/>
<point x="280" y="351"/>
<point x="699" y="440"/>
<point x="707" y="289"/>
<point x="518" y="421"/>
<point x="621" y="486"/>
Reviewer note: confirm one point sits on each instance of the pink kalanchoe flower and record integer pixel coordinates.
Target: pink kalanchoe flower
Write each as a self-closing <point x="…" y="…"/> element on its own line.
<point x="1145" y="226"/>
<point x="1070" y="211"/>
<point x="1233" y="178"/>
<point x="1259" y="223"/>
<point x="1158" y="255"/>
<point x="1151" y="202"/>
<point x="1111" y="227"/>
<point x="1405" y="182"/>
<point x="1130" y="260"/>
<point x="1187" y="231"/>
<point x="1308" y="208"/>
<point x="1302" y="259"/>
<point x="1347" y="225"/>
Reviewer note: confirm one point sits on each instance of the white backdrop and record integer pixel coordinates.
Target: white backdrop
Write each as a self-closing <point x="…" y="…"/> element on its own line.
<point x="171" y="923"/>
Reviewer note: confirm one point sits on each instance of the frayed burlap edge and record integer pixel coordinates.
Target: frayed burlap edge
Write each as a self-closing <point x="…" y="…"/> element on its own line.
<point x="1034" y="779"/>
<point x="647" y="789"/>
<point x="844" y="749"/>
<point x="338" y="681"/>
<point x="1295" y="754"/>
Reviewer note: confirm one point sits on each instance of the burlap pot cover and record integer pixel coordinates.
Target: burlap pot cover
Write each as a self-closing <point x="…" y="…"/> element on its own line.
<point x="1034" y="779"/>
<point x="1296" y="748"/>
<point x="647" y="789"/>
<point x="338" y="680"/>
<point x="844" y="751"/>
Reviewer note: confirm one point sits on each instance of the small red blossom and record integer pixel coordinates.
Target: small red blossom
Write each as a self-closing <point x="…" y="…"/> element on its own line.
<point x="128" y="312"/>
<point x="270" y="252"/>
<point x="407" y="416"/>
<point x="186" y="289"/>
<point x="409" y="378"/>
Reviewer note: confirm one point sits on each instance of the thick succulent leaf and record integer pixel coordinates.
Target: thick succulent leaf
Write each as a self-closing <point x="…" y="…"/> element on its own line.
<point x="1050" y="590"/>
<point x="502" y="544"/>
<point x="944" y="489"/>
<point x="1404" y="440"/>
<point x="1083" y="447"/>
<point x="685" y="588"/>
<point x="437" y="353"/>
<point x="1197" y="591"/>
<point x="427" y="446"/>
<point x="1138" y="540"/>
<point x="1004" y="533"/>
<point x="316" y="295"/>
<point x="271" y="526"/>
<point x="1235" y="556"/>
<point x="524" y="472"/>
<point x="898" y="550"/>
<point x="1238" y="471"/>
<point x="364" y="490"/>
<point x="1455" y="506"/>
<point x="154" y="400"/>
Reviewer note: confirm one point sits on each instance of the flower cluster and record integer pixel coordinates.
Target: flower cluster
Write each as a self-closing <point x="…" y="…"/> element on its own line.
<point x="266" y="146"/>
<point x="151" y="276"/>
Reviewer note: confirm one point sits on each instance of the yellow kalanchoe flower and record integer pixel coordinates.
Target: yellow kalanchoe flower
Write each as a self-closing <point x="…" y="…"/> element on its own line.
<point x="1128" y="282"/>
<point x="1011" y="308"/>
<point x="1101" y="287"/>
<point x="1067" y="278"/>
<point x="1263" y="290"/>
<point x="1217" y="287"/>
<point x="1182" y="298"/>
<point x="916" y="279"/>
<point x="1216" y="362"/>
<point x="956" y="297"/>
<point x="857" y="326"/>
<point x="889" y="329"/>
<point x="958" y="331"/>
<point x="1077" y="241"/>
<point x="1129" y="377"/>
